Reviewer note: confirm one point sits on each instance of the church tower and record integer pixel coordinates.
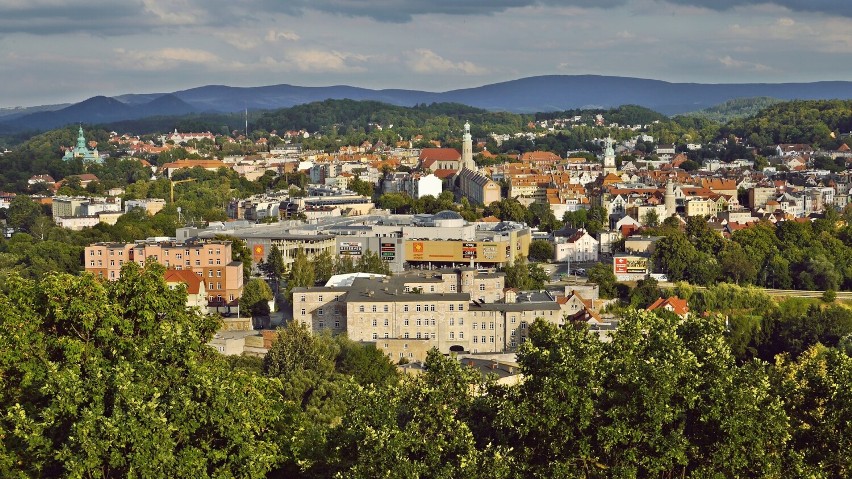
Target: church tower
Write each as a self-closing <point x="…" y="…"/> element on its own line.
<point x="467" y="149"/>
<point x="669" y="199"/>
<point x="609" y="157"/>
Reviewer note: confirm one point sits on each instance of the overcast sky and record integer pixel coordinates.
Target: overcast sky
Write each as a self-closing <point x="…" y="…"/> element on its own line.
<point x="56" y="51"/>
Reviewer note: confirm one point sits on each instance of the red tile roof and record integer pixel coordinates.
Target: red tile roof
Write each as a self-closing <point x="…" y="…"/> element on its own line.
<point x="678" y="306"/>
<point x="185" y="276"/>
<point x="439" y="154"/>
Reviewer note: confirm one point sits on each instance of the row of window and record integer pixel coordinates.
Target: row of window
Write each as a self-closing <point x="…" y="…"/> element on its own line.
<point x="476" y="339"/>
<point x="405" y="307"/>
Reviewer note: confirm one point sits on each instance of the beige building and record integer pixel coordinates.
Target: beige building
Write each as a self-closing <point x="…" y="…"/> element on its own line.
<point x="211" y="261"/>
<point x="478" y="188"/>
<point x="405" y="316"/>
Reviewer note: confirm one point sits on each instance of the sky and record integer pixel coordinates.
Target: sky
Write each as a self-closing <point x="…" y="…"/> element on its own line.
<point x="59" y="51"/>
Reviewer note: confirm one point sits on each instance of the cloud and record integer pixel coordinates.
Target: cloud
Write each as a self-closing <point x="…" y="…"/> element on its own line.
<point x="728" y="62"/>
<point x="166" y="58"/>
<point x="426" y="61"/>
<point x="318" y="61"/>
<point x="273" y="36"/>
<point x="830" y="7"/>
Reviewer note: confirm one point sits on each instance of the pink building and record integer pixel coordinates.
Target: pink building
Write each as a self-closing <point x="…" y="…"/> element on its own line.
<point x="211" y="262"/>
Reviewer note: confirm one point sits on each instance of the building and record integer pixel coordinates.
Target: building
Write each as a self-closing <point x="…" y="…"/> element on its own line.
<point x="673" y="304"/>
<point x="196" y="292"/>
<point x="151" y="206"/>
<point x="477" y="188"/>
<point x="81" y="151"/>
<point x="580" y="246"/>
<point x="210" y="261"/>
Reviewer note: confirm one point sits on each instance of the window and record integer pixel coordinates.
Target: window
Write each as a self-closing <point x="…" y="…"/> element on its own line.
<point x="410" y="355"/>
<point x="211" y="286"/>
<point x="452" y="335"/>
<point x="483" y="325"/>
<point x="218" y="285"/>
<point x="452" y="307"/>
<point x="418" y="335"/>
<point x="418" y="308"/>
<point x="433" y="335"/>
<point x="461" y="321"/>
<point x="482" y="286"/>
<point x="321" y="324"/>
<point x="210" y="273"/>
<point x="303" y="311"/>
<point x="374" y="308"/>
<point x="337" y="325"/>
<point x="491" y="326"/>
<point x="431" y="307"/>
<point x="321" y="311"/>
<point x="406" y="337"/>
<point x="210" y="261"/>
<point x="523" y="325"/>
<point x="376" y="336"/>
<point x="461" y="307"/>
<point x="387" y="322"/>
<point x="475" y="340"/>
<point x="387" y="335"/>
<point x="302" y="297"/>
<point x="91" y="252"/>
<point x="112" y="262"/>
<point x="491" y="338"/>
<point x="474" y="325"/>
<point x="461" y="334"/>
<point x="405" y="308"/>
<point x="375" y="322"/>
<point x="513" y="320"/>
<point x="361" y="309"/>
<point x="197" y="262"/>
<point x="483" y="340"/>
<point x="92" y="263"/>
<point x="432" y="288"/>
<point x="218" y="261"/>
<point x="405" y="322"/>
<point x="319" y="298"/>
<point x="452" y="321"/>
<point x="452" y="288"/>
<point x="386" y="309"/>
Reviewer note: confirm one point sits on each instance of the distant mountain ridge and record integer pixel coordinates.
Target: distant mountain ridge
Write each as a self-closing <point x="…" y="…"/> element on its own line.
<point x="525" y="95"/>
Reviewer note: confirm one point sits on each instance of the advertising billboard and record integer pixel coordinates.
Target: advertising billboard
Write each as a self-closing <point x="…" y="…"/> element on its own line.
<point x="350" y="248"/>
<point x="630" y="265"/>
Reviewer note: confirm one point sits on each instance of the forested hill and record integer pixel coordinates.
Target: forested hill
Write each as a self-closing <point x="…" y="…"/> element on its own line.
<point x="360" y="114"/>
<point x="524" y="95"/>
<point x="811" y="122"/>
<point x="736" y="108"/>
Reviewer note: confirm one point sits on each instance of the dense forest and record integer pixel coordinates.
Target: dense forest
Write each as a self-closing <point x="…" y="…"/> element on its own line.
<point x="113" y="379"/>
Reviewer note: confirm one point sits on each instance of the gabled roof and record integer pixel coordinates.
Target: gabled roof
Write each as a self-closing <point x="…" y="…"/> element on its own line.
<point x="676" y="305"/>
<point x="439" y="154"/>
<point x="190" y="279"/>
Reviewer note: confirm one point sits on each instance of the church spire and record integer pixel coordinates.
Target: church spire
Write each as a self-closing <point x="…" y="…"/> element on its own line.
<point x="467" y="149"/>
<point x="81" y="139"/>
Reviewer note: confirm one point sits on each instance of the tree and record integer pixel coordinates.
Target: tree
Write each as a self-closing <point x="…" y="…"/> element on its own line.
<point x="301" y="274"/>
<point x="361" y="187"/>
<point x="274" y="265"/>
<point x="323" y="266"/>
<point x="369" y="262"/>
<point x="817" y="400"/>
<point x="23" y="213"/>
<point x="114" y="379"/>
<point x="651" y="219"/>
<point x="256" y="297"/>
<point x="541" y="250"/>
<point x="603" y="275"/>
